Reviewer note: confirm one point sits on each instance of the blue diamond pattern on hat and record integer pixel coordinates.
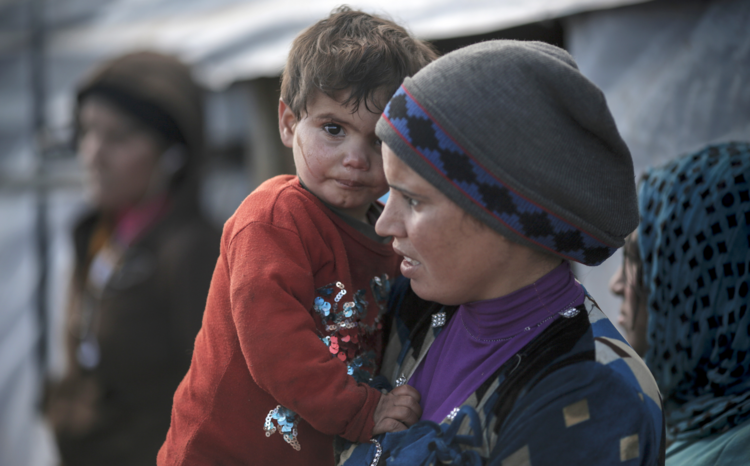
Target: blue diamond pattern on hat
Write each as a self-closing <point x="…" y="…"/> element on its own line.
<point x="423" y="134"/>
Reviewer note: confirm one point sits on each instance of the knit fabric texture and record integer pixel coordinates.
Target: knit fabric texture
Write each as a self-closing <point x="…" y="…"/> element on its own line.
<point x="695" y="244"/>
<point x="514" y="134"/>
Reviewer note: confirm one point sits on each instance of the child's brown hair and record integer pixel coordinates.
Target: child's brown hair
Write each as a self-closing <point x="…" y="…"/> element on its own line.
<point x="351" y="50"/>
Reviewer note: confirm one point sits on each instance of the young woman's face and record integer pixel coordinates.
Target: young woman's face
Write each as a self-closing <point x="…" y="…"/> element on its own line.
<point x="119" y="156"/>
<point x="627" y="284"/>
<point x="449" y="257"/>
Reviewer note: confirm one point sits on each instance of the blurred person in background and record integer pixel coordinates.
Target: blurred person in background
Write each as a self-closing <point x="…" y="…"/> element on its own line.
<point x="684" y="284"/>
<point x="144" y="259"/>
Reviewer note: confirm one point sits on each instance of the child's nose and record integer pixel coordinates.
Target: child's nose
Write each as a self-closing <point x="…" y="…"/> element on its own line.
<point x="356" y="158"/>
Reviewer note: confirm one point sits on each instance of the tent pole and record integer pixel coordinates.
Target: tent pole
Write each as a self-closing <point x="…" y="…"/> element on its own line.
<point x="38" y="104"/>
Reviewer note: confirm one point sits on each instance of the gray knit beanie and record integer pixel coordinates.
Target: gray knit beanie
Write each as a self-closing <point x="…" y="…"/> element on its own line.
<point x="515" y="135"/>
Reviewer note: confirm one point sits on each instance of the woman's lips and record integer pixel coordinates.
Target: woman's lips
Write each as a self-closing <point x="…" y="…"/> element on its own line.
<point x="408" y="266"/>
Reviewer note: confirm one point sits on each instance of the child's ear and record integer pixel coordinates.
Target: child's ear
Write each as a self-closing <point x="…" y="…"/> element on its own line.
<point x="287" y="124"/>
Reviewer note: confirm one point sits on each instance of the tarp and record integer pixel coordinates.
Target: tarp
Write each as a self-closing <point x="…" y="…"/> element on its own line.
<point x="676" y="77"/>
<point x="229" y="40"/>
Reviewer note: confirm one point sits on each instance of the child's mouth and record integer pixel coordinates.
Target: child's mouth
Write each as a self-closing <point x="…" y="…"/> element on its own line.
<point x="350" y="184"/>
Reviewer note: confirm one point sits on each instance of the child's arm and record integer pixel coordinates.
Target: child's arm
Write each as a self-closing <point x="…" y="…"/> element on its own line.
<point x="397" y="410"/>
<point x="271" y="293"/>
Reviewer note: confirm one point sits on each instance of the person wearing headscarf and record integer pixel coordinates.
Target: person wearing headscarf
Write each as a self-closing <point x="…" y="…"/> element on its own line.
<point x="144" y="255"/>
<point x="686" y="283"/>
<point x="504" y="164"/>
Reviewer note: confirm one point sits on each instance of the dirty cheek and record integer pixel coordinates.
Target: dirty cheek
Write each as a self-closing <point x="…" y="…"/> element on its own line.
<point x="308" y="156"/>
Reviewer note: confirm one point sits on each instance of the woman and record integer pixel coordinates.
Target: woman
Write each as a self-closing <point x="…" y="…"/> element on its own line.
<point x="504" y="163"/>
<point x="144" y="258"/>
<point x="686" y="297"/>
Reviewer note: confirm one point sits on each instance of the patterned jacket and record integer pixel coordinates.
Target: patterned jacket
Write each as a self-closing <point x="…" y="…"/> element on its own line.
<point x="577" y="394"/>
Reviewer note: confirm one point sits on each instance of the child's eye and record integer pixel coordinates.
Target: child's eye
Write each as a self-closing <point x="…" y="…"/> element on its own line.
<point x="333" y="129"/>
<point x="378" y="142"/>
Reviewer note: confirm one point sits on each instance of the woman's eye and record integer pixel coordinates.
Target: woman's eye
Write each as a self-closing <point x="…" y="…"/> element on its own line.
<point x="378" y="142"/>
<point x="332" y="129"/>
<point x="411" y="201"/>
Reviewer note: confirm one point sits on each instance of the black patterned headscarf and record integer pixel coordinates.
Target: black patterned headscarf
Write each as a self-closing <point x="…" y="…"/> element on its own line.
<point x="694" y="239"/>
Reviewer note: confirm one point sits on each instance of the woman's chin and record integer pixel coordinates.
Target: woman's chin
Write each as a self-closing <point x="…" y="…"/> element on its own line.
<point x="421" y="291"/>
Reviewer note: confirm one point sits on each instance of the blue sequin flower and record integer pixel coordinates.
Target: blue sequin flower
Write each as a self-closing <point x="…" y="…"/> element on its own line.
<point x="287" y="420"/>
<point x="322" y="306"/>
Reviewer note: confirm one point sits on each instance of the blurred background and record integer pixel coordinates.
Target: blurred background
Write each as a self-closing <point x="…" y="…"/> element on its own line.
<point x="675" y="74"/>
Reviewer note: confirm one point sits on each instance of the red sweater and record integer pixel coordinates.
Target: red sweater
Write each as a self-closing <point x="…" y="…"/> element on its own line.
<point x="266" y="339"/>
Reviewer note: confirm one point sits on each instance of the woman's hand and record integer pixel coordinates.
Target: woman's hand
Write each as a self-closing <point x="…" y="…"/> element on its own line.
<point x="397" y="410"/>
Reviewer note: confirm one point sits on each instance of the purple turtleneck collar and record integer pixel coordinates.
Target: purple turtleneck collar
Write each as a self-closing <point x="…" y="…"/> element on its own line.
<point x="483" y="335"/>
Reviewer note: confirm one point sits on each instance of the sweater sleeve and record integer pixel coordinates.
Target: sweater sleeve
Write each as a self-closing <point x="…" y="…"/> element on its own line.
<point x="582" y="414"/>
<point x="271" y="284"/>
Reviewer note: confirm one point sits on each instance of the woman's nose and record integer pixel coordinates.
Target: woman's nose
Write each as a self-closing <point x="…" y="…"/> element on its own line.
<point x="388" y="223"/>
<point x="90" y="149"/>
<point x="617" y="283"/>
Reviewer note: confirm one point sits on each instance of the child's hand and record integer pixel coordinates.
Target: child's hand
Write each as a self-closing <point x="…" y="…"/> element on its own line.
<point x="397" y="410"/>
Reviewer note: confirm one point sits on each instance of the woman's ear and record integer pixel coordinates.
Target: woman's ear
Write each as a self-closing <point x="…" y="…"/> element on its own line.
<point x="287" y="124"/>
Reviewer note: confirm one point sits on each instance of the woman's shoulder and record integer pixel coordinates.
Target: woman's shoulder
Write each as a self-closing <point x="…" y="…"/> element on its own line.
<point x="582" y="414"/>
<point x="612" y="362"/>
<point x="592" y="401"/>
<point x="618" y="360"/>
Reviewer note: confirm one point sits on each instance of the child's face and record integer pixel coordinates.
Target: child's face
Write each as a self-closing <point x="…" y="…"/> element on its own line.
<point x="336" y="153"/>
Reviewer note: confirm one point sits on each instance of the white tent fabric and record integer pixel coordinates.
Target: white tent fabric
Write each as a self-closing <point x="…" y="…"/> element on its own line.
<point x="229" y="40"/>
<point x="25" y="439"/>
<point x="675" y="76"/>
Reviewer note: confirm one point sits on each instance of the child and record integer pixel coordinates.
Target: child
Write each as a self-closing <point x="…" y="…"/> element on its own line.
<point x="292" y="332"/>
